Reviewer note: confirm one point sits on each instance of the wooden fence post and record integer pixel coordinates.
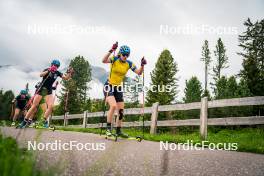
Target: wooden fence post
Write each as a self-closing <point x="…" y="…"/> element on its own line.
<point x="84" y="119"/>
<point x="203" y="118"/>
<point x="154" y="117"/>
<point x="66" y="119"/>
<point x="49" y="120"/>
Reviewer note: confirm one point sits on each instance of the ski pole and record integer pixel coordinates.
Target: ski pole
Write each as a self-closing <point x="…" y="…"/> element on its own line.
<point x="143" y="104"/>
<point x="12" y="110"/>
<point x="36" y="92"/>
<point x="104" y="110"/>
<point x="70" y="70"/>
<point x="66" y="106"/>
<point x="54" y="88"/>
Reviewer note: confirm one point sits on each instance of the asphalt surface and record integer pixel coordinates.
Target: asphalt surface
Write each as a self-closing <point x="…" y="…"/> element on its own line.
<point x="129" y="157"/>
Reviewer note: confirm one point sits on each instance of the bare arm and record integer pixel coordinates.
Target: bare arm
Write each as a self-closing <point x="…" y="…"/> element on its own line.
<point x="106" y="58"/>
<point x="42" y="74"/>
<point x="140" y="70"/>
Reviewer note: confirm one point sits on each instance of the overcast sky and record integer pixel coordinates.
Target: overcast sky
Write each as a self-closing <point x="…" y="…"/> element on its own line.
<point x="34" y="32"/>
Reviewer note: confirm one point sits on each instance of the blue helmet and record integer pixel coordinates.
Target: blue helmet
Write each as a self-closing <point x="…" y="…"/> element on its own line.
<point x="23" y="92"/>
<point x="55" y="62"/>
<point x="124" y="50"/>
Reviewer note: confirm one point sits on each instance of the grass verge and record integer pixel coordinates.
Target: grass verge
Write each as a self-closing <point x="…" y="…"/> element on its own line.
<point x="16" y="161"/>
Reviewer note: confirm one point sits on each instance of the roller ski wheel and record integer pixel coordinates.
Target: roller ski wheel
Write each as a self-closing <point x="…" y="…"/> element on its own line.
<point x="110" y="135"/>
<point x="139" y="138"/>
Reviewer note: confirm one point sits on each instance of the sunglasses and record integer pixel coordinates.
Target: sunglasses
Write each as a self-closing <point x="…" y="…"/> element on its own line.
<point x="125" y="55"/>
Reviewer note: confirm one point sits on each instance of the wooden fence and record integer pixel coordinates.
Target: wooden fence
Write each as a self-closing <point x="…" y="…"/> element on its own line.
<point x="203" y="122"/>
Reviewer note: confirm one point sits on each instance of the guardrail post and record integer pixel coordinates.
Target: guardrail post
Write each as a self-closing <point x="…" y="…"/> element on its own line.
<point x="66" y="119"/>
<point x="203" y="118"/>
<point x="85" y="119"/>
<point x="154" y="117"/>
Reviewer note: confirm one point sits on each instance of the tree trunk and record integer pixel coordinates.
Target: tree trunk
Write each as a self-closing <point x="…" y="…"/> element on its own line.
<point x="205" y="78"/>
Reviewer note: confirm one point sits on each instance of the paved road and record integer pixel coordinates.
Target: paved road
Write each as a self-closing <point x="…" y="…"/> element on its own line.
<point x="127" y="157"/>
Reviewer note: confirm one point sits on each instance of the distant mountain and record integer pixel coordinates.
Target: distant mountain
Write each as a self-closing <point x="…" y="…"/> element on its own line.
<point x="5" y="66"/>
<point x="99" y="73"/>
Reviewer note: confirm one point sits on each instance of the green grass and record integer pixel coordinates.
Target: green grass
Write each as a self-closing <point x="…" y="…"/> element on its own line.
<point x="247" y="139"/>
<point x="5" y="123"/>
<point x="16" y="161"/>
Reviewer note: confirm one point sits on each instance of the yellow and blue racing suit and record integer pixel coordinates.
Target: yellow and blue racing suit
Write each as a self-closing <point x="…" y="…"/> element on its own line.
<point x="118" y="71"/>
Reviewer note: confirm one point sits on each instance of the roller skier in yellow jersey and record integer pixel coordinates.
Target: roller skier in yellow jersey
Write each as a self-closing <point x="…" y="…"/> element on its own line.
<point x="112" y="88"/>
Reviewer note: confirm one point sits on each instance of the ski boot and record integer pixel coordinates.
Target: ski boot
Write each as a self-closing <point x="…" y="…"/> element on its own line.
<point x="45" y="124"/>
<point x="110" y="135"/>
<point x="108" y="132"/>
<point x="120" y="134"/>
<point x="22" y="124"/>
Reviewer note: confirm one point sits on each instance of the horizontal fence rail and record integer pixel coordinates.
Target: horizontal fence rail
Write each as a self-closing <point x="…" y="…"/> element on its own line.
<point x="248" y="101"/>
<point x="203" y="121"/>
<point x="192" y="122"/>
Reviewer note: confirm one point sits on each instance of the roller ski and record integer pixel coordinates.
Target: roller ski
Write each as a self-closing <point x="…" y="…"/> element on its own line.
<point x="110" y="135"/>
<point x="126" y="136"/>
<point x="137" y="138"/>
<point x="45" y="125"/>
<point x="52" y="128"/>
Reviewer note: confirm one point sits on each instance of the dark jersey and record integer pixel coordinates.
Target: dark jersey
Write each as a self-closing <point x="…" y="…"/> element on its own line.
<point x="21" y="101"/>
<point x="51" y="79"/>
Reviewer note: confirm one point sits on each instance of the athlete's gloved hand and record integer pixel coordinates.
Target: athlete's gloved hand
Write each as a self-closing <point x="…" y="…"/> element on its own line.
<point x="143" y="61"/>
<point x="53" y="69"/>
<point x="114" y="47"/>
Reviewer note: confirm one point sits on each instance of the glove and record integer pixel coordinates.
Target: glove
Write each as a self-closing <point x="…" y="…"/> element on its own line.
<point x="53" y="69"/>
<point x="143" y="61"/>
<point x="114" y="47"/>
